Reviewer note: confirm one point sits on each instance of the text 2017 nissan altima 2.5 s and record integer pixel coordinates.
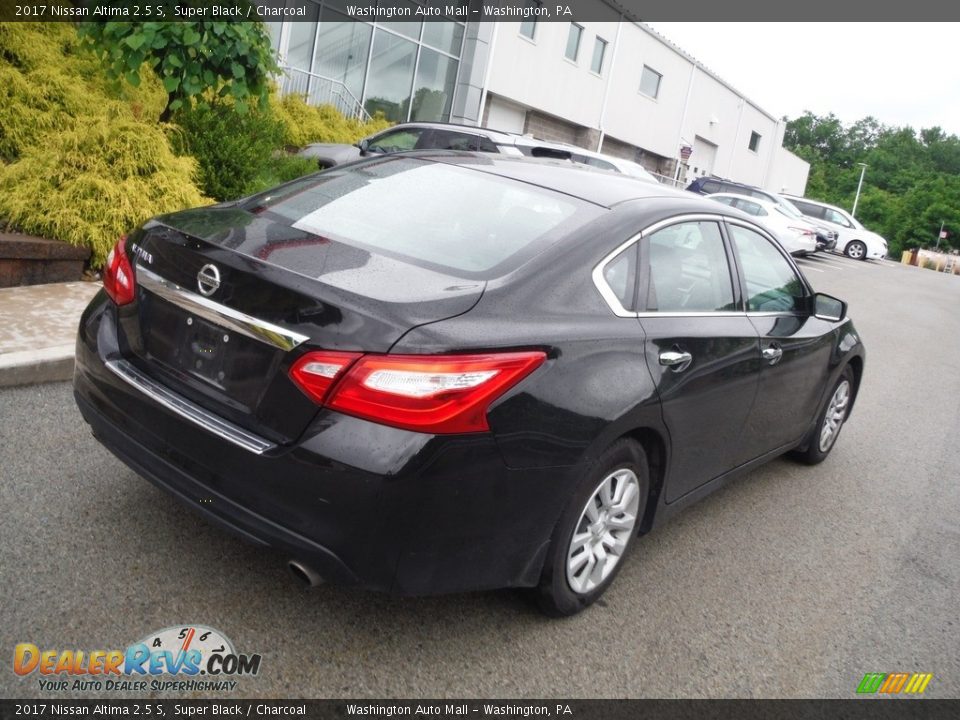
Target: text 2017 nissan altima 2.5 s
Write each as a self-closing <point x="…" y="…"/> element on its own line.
<point x="444" y="372"/>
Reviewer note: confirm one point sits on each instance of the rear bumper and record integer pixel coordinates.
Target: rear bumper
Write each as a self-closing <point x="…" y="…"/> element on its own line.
<point x="360" y="503"/>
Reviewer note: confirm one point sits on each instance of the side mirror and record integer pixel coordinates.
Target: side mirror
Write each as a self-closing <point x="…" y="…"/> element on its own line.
<point x="364" y="146"/>
<point x="829" y="308"/>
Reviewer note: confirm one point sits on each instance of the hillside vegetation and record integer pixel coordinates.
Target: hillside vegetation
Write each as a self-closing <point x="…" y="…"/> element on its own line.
<point x="911" y="184"/>
<point x="85" y="159"/>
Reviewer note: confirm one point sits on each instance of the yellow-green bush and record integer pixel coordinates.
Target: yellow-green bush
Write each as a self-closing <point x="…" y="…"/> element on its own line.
<point x="90" y="185"/>
<point x="305" y="124"/>
<point x="82" y="159"/>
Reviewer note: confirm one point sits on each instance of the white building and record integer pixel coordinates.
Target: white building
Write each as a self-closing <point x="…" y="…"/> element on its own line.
<point x="613" y="84"/>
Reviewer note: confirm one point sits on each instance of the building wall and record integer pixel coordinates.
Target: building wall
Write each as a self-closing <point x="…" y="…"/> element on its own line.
<point x="789" y="174"/>
<point x="565" y="101"/>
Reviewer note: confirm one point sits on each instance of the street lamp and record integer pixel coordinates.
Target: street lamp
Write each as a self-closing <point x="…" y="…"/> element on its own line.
<point x="863" y="170"/>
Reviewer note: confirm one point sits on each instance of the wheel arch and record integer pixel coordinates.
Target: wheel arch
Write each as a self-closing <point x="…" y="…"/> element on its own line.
<point x="655" y="448"/>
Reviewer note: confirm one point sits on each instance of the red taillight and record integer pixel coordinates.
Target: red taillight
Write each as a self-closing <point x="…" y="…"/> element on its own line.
<point x="118" y="278"/>
<point x="315" y="372"/>
<point x="427" y="393"/>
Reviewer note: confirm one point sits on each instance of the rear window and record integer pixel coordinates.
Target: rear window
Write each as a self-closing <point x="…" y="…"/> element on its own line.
<point x="433" y="214"/>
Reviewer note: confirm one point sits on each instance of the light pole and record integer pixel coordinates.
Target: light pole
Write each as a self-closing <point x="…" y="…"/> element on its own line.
<point x="863" y="170"/>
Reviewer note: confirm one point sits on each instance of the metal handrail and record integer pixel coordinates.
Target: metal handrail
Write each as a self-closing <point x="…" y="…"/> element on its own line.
<point x="321" y="90"/>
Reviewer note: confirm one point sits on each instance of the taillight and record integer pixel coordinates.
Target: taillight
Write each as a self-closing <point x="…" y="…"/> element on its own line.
<point x="315" y="372"/>
<point x="118" y="278"/>
<point x="427" y="393"/>
<point x="802" y="231"/>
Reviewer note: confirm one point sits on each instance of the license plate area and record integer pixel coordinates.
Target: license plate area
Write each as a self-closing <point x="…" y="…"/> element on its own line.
<point x="235" y="365"/>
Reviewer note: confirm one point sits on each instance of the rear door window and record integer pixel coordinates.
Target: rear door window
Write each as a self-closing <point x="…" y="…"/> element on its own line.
<point x="454" y="140"/>
<point x="835" y="217"/>
<point x="687" y="269"/>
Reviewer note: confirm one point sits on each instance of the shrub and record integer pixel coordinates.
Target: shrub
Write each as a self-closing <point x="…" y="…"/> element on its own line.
<point x="91" y="184"/>
<point x="82" y="159"/>
<point x="305" y="124"/>
<point x="48" y="84"/>
<point x="232" y="149"/>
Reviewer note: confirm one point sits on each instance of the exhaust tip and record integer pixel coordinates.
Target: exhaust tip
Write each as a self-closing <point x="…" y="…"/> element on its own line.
<point x="308" y="576"/>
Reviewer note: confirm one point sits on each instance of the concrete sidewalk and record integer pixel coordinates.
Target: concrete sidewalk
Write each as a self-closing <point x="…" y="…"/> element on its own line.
<point x="38" y="330"/>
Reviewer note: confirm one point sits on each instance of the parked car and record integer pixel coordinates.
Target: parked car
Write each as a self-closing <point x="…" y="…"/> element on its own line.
<point x="795" y="235"/>
<point x="445" y="372"/>
<point x="597" y="160"/>
<point x="449" y="136"/>
<point x="826" y="235"/>
<point x="853" y="239"/>
<point x="433" y="136"/>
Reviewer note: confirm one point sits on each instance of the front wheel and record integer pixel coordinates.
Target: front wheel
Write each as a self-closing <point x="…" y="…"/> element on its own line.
<point x="831" y="420"/>
<point x="855" y="250"/>
<point x="596" y="531"/>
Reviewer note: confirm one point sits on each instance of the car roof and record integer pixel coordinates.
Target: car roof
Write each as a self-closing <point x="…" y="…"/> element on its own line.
<point x="581" y="181"/>
<point x="499" y="136"/>
<point x="751" y="198"/>
<point x="816" y="202"/>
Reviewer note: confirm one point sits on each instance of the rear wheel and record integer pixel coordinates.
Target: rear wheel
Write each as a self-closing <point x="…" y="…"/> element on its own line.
<point x="596" y="531"/>
<point x="856" y="250"/>
<point x="830" y="422"/>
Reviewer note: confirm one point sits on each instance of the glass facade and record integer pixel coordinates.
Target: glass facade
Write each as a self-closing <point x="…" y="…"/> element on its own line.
<point x="406" y="70"/>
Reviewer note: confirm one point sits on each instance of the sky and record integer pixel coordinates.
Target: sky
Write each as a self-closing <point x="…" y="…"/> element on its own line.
<point x="901" y="73"/>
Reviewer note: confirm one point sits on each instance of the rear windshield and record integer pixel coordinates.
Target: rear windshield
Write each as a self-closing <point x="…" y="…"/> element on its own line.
<point x="434" y="214"/>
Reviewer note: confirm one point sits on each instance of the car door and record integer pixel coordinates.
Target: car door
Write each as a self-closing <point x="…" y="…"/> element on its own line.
<point x="702" y="351"/>
<point x="795" y="346"/>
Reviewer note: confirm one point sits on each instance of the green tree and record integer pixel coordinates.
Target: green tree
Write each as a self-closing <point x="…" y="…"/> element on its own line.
<point x="191" y="58"/>
<point x="912" y="182"/>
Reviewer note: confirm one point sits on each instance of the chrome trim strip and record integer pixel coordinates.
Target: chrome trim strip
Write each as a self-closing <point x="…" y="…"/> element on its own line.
<point x="188" y="410"/>
<point x="613" y="302"/>
<point x="235" y="320"/>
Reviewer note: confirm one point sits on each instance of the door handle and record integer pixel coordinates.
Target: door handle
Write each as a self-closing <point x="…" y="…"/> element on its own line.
<point x="772" y="354"/>
<point x="675" y="359"/>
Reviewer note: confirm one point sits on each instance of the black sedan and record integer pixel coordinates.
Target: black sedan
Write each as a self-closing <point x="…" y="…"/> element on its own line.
<point x="443" y="372"/>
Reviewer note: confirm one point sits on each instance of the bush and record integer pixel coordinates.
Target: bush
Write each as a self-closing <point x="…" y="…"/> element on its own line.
<point x="91" y="184"/>
<point x="304" y="124"/>
<point x="233" y="149"/>
<point x="81" y="159"/>
<point x="48" y="84"/>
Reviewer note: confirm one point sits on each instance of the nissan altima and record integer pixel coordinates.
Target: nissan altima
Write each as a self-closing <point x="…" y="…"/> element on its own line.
<point x="445" y="372"/>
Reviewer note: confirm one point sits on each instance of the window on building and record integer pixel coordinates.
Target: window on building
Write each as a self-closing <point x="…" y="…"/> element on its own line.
<point x="390" y="76"/>
<point x="650" y="82"/>
<point x="528" y="28"/>
<point x="599" y="51"/>
<point x="573" y="42"/>
<point x="341" y="53"/>
<point x="433" y="89"/>
<point x="754" y="141"/>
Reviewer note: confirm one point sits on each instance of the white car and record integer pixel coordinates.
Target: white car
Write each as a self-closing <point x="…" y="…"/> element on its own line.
<point x="853" y="239"/>
<point x="797" y="236"/>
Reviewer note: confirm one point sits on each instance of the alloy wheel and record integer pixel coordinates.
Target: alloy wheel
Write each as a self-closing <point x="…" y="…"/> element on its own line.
<point x="856" y="250"/>
<point x="835" y="415"/>
<point x="603" y="531"/>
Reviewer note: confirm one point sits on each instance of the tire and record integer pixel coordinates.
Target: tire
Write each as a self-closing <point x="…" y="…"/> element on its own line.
<point x="855" y="250"/>
<point x="830" y="421"/>
<point x="567" y="584"/>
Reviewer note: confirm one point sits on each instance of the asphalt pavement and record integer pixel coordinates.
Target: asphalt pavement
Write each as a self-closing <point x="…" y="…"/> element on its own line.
<point x="792" y="582"/>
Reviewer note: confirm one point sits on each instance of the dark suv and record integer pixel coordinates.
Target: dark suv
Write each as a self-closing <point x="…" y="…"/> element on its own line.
<point x="434" y="136"/>
<point x="826" y="237"/>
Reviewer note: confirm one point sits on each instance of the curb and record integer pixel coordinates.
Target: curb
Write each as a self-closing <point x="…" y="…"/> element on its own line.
<point x="29" y="367"/>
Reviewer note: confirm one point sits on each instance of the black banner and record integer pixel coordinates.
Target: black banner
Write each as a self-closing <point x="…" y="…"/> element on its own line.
<point x="473" y="10"/>
<point x="880" y="709"/>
